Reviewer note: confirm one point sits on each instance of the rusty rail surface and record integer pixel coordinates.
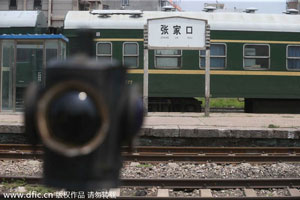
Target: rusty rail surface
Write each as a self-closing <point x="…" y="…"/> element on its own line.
<point x="207" y="150"/>
<point x="178" y="198"/>
<point x="209" y="198"/>
<point x="187" y="183"/>
<point x="176" y="154"/>
<point x="181" y="198"/>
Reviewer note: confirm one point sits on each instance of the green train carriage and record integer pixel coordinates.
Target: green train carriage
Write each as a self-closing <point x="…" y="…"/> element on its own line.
<point x="23" y="22"/>
<point x="253" y="56"/>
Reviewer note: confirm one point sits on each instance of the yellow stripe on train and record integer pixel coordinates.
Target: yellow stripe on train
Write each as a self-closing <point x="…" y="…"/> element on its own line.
<point x="215" y="72"/>
<point x="212" y="41"/>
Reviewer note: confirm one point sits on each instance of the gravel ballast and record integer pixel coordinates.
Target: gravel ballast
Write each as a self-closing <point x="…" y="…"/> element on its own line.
<point x="176" y="170"/>
<point x="21" y="168"/>
<point x="171" y="170"/>
<point x="211" y="170"/>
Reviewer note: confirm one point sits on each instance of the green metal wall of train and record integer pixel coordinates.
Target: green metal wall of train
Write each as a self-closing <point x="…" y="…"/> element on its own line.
<point x="253" y="56"/>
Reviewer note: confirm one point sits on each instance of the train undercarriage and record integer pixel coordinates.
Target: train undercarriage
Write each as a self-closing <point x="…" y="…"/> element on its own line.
<point x="252" y="105"/>
<point x="173" y="104"/>
<point x="291" y="106"/>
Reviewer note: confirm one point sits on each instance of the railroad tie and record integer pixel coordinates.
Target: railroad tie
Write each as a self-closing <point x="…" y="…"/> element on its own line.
<point x="294" y="192"/>
<point x="205" y="193"/>
<point x="250" y="193"/>
<point x="163" y="193"/>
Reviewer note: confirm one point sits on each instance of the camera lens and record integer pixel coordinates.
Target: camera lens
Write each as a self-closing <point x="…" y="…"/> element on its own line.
<point x="73" y="117"/>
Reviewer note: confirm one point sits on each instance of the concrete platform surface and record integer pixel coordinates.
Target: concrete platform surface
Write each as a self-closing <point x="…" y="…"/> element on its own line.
<point x="237" y="125"/>
<point x="222" y="125"/>
<point x="224" y="120"/>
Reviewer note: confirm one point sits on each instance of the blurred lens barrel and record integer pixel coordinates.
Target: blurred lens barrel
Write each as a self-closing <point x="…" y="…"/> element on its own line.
<point x="82" y="115"/>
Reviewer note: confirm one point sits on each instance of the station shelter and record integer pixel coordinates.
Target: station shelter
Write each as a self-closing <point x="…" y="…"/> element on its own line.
<point x="23" y="59"/>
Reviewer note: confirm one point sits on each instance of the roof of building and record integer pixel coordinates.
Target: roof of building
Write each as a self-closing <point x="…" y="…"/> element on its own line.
<point x="216" y="20"/>
<point x="22" y="19"/>
<point x="34" y="36"/>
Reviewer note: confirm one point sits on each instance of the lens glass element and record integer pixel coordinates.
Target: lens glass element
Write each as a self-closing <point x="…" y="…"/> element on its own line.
<point x="73" y="117"/>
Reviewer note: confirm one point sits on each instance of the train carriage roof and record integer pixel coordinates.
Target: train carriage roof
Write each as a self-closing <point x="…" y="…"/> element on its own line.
<point x="34" y="37"/>
<point x="217" y="20"/>
<point x="22" y="19"/>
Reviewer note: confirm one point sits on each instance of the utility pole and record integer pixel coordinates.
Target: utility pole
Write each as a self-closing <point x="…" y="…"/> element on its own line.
<point x="25" y="5"/>
<point x="49" y="12"/>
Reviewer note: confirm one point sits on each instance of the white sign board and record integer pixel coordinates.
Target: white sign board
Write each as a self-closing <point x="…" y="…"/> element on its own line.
<point x="176" y="33"/>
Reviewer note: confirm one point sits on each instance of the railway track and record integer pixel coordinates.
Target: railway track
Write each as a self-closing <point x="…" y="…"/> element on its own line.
<point x="177" y="154"/>
<point x="179" y="198"/>
<point x="204" y="185"/>
<point x="209" y="198"/>
<point x="187" y="183"/>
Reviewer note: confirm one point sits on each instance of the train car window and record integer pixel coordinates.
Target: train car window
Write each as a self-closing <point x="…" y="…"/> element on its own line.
<point x="131" y="54"/>
<point x="218" y="54"/>
<point x="37" y="5"/>
<point x="293" y="57"/>
<point x="104" y="51"/>
<point x="168" y="59"/>
<point x="13" y="5"/>
<point x="125" y="2"/>
<point x="256" y="56"/>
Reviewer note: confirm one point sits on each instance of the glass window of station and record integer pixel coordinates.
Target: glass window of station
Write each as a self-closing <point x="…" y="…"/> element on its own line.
<point x="218" y="53"/>
<point x="131" y="54"/>
<point x="104" y="51"/>
<point x="256" y="56"/>
<point x="23" y="60"/>
<point x="168" y="59"/>
<point x="293" y="57"/>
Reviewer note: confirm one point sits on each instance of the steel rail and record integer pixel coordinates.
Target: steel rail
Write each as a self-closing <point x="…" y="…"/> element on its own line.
<point x="191" y="183"/>
<point x="178" y="154"/>
<point x="217" y="158"/>
<point x="171" y="149"/>
<point x="175" y="198"/>
<point x="20" y="147"/>
<point x="225" y="158"/>
<point x="208" y="198"/>
<point x="187" y="183"/>
<point x="213" y="183"/>
<point x="21" y="155"/>
<point x="207" y="150"/>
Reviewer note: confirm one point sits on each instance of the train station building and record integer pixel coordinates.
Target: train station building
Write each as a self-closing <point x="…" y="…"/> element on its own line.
<point x="24" y="57"/>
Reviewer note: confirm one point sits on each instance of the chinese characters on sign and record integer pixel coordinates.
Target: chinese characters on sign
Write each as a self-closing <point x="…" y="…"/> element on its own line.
<point x="164" y="30"/>
<point x="177" y="32"/>
<point x="189" y="30"/>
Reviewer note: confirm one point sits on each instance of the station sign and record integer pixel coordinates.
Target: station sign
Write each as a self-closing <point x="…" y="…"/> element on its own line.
<point x="177" y="33"/>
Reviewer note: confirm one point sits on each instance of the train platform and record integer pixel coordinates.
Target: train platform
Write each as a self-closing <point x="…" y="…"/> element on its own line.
<point x="195" y="125"/>
<point x="234" y="125"/>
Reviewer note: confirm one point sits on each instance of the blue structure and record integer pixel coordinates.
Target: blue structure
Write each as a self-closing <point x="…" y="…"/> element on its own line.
<point x="23" y="59"/>
<point x="34" y="37"/>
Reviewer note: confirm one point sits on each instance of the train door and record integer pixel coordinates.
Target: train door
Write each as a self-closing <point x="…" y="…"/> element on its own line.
<point x="7" y="63"/>
<point x="29" y="68"/>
